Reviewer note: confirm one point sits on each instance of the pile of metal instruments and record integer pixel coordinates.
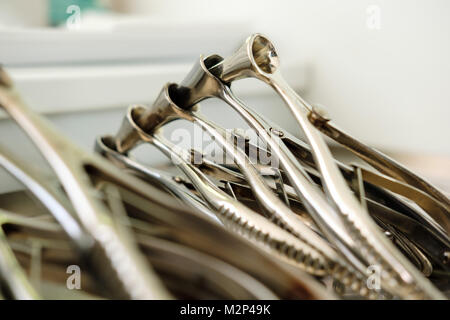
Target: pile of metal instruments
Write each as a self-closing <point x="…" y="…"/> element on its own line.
<point x="303" y="226"/>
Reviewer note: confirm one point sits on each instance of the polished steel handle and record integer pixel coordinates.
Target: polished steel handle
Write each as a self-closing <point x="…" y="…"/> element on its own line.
<point x="70" y="164"/>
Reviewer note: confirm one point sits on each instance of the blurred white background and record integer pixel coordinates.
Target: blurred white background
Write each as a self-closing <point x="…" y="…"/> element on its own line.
<point x="381" y="68"/>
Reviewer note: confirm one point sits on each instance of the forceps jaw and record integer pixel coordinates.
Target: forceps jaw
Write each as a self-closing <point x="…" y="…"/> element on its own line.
<point x="204" y="82"/>
<point x="257" y="58"/>
<point x="149" y="120"/>
<point x="199" y="84"/>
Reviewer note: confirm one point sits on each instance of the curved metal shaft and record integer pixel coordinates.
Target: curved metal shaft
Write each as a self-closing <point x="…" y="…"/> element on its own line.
<point x="11" y="272"/>
<point x="233" y="213"/>
<point x="134" y="277"/>
<point x="385" y="164"/>
<point x="257" y="58"/>
<point x="104" y="146"/>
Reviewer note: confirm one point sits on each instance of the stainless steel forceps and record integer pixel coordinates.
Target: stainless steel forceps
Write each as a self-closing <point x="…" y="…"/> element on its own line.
<point x="258" y="58"/>
<point x="71" y="164"/>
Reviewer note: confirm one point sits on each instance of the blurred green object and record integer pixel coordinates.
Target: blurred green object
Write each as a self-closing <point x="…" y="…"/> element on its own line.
<point x="58" y="13"/>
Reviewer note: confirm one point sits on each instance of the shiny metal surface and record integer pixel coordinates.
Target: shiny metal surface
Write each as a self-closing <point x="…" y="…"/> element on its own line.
<point x="258" y="58"/>
<point x="200" y="84"/>
<point x="301" y="226"/>
<point x="96" y="175"/>
<point x="105" y="146"/>
<point x="431" y="243"/>
<point x="10" y="271"/>
<point x="232" y="212"/>
<point x="70" y="164"/>
<point x="384" y="164"/>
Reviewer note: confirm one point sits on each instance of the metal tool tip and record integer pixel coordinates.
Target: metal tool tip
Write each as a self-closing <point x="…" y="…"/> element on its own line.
<point x="264" y="54"/>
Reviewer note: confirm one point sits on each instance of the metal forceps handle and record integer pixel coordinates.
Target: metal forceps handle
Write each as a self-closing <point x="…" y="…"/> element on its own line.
<point x="232" y="212"/>
<point x="11" y="272"/>
<point x="382" y="162"/>
<point x="104" y="145"/>
<point x="258" y="58"/>
<point x="135" y="278"/>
